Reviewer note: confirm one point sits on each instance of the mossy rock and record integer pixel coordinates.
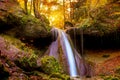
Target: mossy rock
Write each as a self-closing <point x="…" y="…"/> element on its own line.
<point x="54" y="76"/>
<point x="59" y="76"/>
<point x="50" y="65"/>
<point x="10" y="15"/>
<point x="118" y="70"/>
<point x="21" y="46"/>
<point x="14" y="20"/>
<point x="31" y="27"/>
<point x="28" y="62"/>
<point x="28" y="19"/>
<point x="110" y="78"/>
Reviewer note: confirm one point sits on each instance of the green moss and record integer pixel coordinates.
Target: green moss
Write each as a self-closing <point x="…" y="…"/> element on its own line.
<point x="54" y="76"/>
<point x="37" y="73"/>
<point x="60" y="76"/>
<point x="55" y="79"/>
<point x="20" y="45"/>
<point x="12" y="20"/>
<point x="28" y="62"/>
<point x="13" y="41"/>
<point x="111" y="78"/>
<point x="29" y="19"/>
<point x="118" y="70"/>
<point x="50" y="65"/>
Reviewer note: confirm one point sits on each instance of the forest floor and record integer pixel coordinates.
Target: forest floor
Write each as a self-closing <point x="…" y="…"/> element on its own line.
<point x="99" y="56"/>
<point x="106" y="62"/>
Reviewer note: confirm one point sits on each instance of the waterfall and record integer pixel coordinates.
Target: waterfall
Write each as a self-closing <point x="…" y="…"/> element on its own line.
<point x="69" y="53"/>
<point x="75" y="64"/>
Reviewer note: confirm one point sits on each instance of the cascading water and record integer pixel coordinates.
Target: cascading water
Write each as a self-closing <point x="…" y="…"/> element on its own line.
<point x="69" y="53"/>
<point x="75" y="64"/>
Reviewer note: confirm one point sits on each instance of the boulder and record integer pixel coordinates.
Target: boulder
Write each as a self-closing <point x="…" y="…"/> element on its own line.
<point x="14" y="22"/>
<point x="50" y="65"/>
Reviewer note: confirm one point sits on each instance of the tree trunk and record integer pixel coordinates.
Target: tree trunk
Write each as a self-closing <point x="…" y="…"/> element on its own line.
<point x="36" y="11"/>
<point x="31" y="4"/>
<point x="25" y="5"/>
<point x="64" y="12"/>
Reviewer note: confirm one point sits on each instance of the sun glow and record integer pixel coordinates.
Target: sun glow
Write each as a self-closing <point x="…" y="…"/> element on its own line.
<point x="54" y="13"/>
<point x="59" y="11"/>
<point x="56" y="19"/>
<point x="53" y="10"/>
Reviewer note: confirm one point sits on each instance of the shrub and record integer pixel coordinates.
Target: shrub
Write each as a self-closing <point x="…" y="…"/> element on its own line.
<point x="50" y="65"/>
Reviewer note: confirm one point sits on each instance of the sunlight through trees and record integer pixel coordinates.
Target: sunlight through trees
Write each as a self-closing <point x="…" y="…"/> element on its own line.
<point x="60" y="11"/>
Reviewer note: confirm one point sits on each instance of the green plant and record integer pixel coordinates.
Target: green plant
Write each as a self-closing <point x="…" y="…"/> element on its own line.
<point x="118" y="70"/>
<point x="60" y="76"/>
<point x="110" y="78"/>
<point x="28" y="62"/>
<point x="50" y="65"/>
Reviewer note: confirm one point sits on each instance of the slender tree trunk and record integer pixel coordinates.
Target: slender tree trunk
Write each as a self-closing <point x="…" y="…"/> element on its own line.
<point x="64" y="12"/>
<point x="36" y="7"/>
<point x="36" y="10"/>
<point x="31" y="5"/>
<point x="70" y="11"/>
<point x="40" y="5"/>
<point x="39" y="1"/>
<point x="25" y="5"/>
